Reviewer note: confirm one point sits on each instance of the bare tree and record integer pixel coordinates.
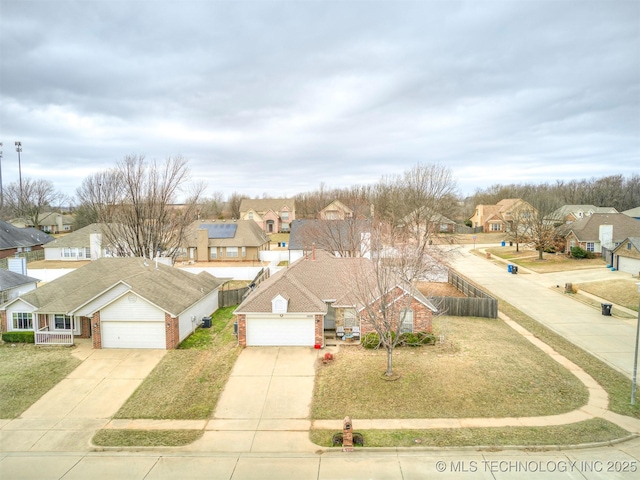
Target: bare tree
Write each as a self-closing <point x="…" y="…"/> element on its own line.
<point x="522" y="216"/>
<point x="31" y="199"/>
<point x="540" y="228"/>
<point x="233" y="204"/>
<point x="134" y="201"/>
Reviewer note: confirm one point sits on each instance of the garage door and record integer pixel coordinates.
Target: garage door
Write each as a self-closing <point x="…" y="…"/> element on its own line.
<point x="133" y="335"/>
<point x="629" y="265"/>
<point x="280" y="332"/>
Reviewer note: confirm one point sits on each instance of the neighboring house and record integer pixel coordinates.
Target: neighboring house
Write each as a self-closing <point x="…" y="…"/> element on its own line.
<point x="118" y="302"/>
<point x="342" y="238"/>
<point x="626" y="256"/>
<point x="273" y="215"/>
<point x="83" y="244"/>
<point x="14" y="284"/>
<point x="225" y="241"/>
<point x="633" y="213"/>
<point x="19" y="240"/>
<point x="437" y="223"/>
<point x="572" y="213"/>
<point x="498" y="218"/>
<point x="599" y="230"/>
<point x="336" y="210"/>
<point x="48" y="222"/>
<point x="297" y="304"/>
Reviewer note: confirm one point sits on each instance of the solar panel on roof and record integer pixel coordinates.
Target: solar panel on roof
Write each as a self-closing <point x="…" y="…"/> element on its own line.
<point x="221" y="230"/>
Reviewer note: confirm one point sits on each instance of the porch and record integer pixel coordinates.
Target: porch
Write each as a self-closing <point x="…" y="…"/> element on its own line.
<point x="44" y="336"/>
<point x="337" y="336"/>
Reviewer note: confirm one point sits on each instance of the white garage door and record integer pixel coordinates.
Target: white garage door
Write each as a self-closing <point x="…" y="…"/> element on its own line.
<point x="629" y="265"/>
<point x="133" y="335"/>
<point x="281" y="332"/>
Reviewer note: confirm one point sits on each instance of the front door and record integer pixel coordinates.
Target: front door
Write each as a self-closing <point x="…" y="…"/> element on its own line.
<point x="269" y="226"/>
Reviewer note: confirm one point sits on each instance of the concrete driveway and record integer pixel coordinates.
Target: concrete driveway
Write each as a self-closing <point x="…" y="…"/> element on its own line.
<point x="66" y="417"/>
<point x="265" y="404"/>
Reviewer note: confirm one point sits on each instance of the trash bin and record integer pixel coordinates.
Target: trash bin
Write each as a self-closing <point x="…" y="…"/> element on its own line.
<point x="606" y="309"/>
<point x="510" y="268"/>
<point x="514" y="270"/>
<point x="504" y="244"/>
<point x="511" y="244"/>
<point x="206" y="322"/>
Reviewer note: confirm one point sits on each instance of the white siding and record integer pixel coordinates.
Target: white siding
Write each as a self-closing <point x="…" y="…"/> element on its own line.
<point x="19" y="306"/>
<point x="203" y="308"/>
<point x="52" y="253"/>
<point x="104" y="299"/>
<point x="125" y="309"/>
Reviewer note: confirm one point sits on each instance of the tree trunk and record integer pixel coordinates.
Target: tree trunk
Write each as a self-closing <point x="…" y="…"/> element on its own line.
<point x="389" y="371"/>
<point x="540" y="254"/>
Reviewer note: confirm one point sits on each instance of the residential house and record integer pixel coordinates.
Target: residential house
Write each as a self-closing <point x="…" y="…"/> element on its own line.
<point x="225" y="241"/>
<point x="626" y="256"/>
<point x="118" y="302"/>
<point x="19" y="240"/>
<point x="633" y="213"/>
<point x="343" y="238"/>
<point x="436" y="223"/>
<point x="572" y="213"/>
<point x="499" y="218"/>
<point x="83" y="244"/>
<point x="298" y="304"/>
<point x="336" y="210"/>
<point x="599" y="230"/>
<point x="273" y="215"/>
<point x="13" y="284"/>
<point x="48" y="222"/>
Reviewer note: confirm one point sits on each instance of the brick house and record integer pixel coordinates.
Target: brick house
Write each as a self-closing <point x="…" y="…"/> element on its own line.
<point x="599" y="230"/>
<point x="315" y="295"/>
<point x="273" y="215"/>
<point x="499" y="218"/>
<point x="20" y="240"/>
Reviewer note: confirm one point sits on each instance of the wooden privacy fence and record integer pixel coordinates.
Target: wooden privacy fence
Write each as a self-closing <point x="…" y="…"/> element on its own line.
<point x="477" y="303"/>
<point x="226" y="298"/>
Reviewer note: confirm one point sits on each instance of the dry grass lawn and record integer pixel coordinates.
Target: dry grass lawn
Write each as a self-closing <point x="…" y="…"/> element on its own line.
<point x="27" y="372"/>
<point x="619" y="291"/>
<point x="484" y="369"/>
<point x="528" y="258"/>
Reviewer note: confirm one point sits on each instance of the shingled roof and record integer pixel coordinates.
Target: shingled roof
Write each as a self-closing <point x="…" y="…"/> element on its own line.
<point x="588" y="229"/>
<point x="171" y="289"/>
<point x="14" y="237"/>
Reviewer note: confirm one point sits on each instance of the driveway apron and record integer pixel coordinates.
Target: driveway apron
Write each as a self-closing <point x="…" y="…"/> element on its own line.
<point x="265" y="404"/>
<point x="66" y="417"/>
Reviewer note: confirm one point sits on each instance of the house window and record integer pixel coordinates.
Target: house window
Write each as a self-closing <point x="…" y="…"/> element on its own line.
<point x="629" y="246"/>
<point x="349" y="317"/>
<point x="495" y="227"/>
<point x="87" y="253"/>
<point x="67" y="227"/>
<point x="284" y="216"/>
<point x="62" y="322"/>
<point x="250" y="215"/>
<point x="22" y="321"/>
<point x="232" y="252"/>
<point x="591" y="247"/>
<point x="213" y="253"/>
<point x="285" y="227"/>
<point x="406" y="317"/>
<point x="244" y="252"/>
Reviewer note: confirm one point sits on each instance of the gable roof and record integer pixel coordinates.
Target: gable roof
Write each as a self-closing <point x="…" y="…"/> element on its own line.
<point x="634" y="241"/>
<point x="588" y="229"/>
<point x="79" y="238"/>
<point x="304" y="233"/>
<point x="13" y="237"/>
<point x="51" y="218"/>
<point x="171" y="289"/>
<point x="9" y="280"/>
<point x="570" y="209"/>
<point x="310" y="283"/>
<point x="263" y="205"/>
<point x="236" y="233"/>
<point x="633" y="212"/>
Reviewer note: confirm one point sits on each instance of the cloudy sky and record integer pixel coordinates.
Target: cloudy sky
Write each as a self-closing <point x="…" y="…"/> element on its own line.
<point x="278" y="96"/>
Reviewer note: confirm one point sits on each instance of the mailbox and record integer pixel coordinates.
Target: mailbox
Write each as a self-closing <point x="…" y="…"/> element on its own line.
<point x="347" y="435"/>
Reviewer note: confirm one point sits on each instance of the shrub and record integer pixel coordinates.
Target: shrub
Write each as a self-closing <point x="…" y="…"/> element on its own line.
<point x="426" y="338"/>
<point x="409" y="340"/>
<point x="578" y="252"/>
<point x="18" y="337"/>
<point x="371" y="340"/>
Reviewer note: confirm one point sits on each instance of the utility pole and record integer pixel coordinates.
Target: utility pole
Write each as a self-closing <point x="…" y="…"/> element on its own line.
<point x="19" y="150"/>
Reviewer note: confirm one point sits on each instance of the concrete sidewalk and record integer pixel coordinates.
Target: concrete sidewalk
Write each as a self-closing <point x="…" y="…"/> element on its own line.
<point x="610" y="339"/>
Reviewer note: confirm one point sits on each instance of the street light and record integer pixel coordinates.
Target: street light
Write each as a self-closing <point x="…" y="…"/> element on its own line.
<point x="635" y="356"/>
<point x="19" y="149"/>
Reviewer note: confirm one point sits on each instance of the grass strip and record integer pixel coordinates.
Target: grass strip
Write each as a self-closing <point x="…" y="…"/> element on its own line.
<point x="146" y="438"/>
<point x="588" y="431"/>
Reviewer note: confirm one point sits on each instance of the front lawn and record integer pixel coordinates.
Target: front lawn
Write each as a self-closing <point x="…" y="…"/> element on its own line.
<point x="27" y="372"/>
<point x="146" y="438"/>
<point x="550" y="262"/>
<point x="484" y="369"/>
<point x="589" y="431"/>
<point x="622" y="292"/>
<point x="188" y="381"/>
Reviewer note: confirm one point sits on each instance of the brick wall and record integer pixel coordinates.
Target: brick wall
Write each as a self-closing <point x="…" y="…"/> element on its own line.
<point x="95" y="330"/>
<point x="242" y="329"/>
<point x="3" y="321"/>
<point x="319" y="338"/>
<point x="85" y="327"/>
<point x="173" y="331"/>
<point x="422" y="319"/>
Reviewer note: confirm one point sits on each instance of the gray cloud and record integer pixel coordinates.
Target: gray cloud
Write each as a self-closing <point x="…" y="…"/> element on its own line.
<point x="276" y="97"/>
